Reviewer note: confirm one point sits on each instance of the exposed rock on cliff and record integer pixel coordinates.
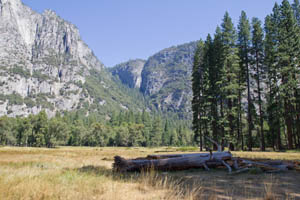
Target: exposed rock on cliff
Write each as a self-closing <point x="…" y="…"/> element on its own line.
<point x="44" y="64"/>
<point x="130" y="73"/>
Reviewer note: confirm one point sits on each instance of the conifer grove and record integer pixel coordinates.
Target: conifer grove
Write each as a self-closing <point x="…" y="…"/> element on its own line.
<point x="246" y="82"/>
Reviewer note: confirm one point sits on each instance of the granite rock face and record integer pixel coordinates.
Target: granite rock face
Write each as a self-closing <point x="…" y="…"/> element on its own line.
<point x="43" y="61"/>
<point x="165" y="78"/>
<point x="130" y="73"/>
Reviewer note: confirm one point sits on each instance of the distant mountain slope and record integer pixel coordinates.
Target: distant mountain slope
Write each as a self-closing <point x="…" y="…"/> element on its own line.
<point x="44" y="64"/>
<point x="165" y="78"/>
<point x="130" y="73"/>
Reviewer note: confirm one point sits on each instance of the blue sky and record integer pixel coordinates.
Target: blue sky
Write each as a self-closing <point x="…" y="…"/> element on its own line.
<point x="119" y="30"/>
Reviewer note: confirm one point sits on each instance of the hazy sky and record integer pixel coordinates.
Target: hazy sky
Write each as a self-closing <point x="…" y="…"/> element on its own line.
<point x="119" y="30"/>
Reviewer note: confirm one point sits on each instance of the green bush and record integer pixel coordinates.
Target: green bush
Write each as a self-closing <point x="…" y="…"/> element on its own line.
<point x="14" y="99"/>
<point x="20" y="71"/>
<point x="40" y="76"/>
<point x="29" y="102"/>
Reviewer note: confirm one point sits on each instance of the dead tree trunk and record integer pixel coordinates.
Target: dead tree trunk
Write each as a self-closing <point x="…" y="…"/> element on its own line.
<point x="173" y="163"/>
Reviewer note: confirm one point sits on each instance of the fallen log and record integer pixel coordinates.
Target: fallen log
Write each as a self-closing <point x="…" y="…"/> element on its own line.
<point x="165" y="156"/>
<point x="173" y="163"/>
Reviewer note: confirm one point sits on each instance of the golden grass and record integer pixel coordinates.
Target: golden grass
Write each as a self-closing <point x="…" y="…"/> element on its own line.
<point x="85" y="173"/>
<point x="76" y="173"/>
<point x="268" y="155"/>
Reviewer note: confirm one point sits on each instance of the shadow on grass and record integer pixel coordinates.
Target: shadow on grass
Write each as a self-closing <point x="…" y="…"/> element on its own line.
<point x="98" y="171"/>
<point x="215" y="182"/>
<point x="95" y="170"/>
<point x="145" y="179"/>
<point x="151" y="177"/>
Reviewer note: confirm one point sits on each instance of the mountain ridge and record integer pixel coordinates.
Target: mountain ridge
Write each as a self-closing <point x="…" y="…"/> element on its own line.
<point x="45" y="65"/>
<point x="165" y="78"/>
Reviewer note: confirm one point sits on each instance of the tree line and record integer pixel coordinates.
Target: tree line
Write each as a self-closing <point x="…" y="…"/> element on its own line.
<point x="246" y="82"/>
<point x="125" y="129"/>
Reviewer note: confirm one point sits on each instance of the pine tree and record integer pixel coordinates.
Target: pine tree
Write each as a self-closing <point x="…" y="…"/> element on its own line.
<point x="166" y="134"/>
<point x="138" y="118"/>
<point x="196" y="79"/>
<point x="257" y="52"/>
<point x="135" y="135"/>
<point x="205" y="99"/>
<point x="271" y="60"/>
<point x="174" y="138"/>
<point x="244" y="75"/>
<point x="210" y="89"/>
<point x="288" y="62"/>
<point x="296" y="9"/>
<point x="218" y="54"/>
<point x="231" y="86"/>
<point x="114" y="119"/>
<point x="156" y="132"/>
<point x="213" y="91"/>
<point x="122" y="136"/>
<point x="147" y="127"/>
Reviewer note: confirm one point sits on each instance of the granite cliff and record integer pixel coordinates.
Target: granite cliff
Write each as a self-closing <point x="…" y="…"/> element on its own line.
<point x="165" y="78"/>
<point x="44" y="64"/>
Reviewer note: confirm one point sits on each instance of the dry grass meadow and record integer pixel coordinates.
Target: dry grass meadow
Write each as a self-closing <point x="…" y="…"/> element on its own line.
<point x="79" y="173"/>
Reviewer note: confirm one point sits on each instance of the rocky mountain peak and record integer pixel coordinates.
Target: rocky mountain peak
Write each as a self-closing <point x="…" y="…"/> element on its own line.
<point x="12" y="2"/>
<point x="11" y="6"/>
<point x="49" y="12"/>
<point x="41" y="55"/>
<point x="15" y="15"/>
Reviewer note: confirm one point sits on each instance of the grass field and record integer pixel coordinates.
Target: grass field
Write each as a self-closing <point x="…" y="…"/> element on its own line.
<point x="85" y="173"/>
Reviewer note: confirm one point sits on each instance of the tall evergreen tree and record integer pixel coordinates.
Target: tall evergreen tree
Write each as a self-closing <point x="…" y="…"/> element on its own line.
<point x="257" y="52"/>
<point x="166" y="134"/>
<point x="205" y="88"/>
<point x="196" y="81"/>
<point x="211" y="92"/>
<point x="122" y="136"/>
<point x="218" y="54"/>
<point x="147" y="127"/>
<point x="231" y="86"/>
<point x="174" y="138"/>
<point x="156" y="132"/>
<point x="296" y="8"/>
<point x="288" y="62"/>
<point x="135" y="135"/>
<point x="244" y="75"/>
<point x="271" y="62"/>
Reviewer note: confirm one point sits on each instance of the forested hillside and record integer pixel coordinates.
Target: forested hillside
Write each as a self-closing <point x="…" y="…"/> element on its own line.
<point x="246" y="82"/>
